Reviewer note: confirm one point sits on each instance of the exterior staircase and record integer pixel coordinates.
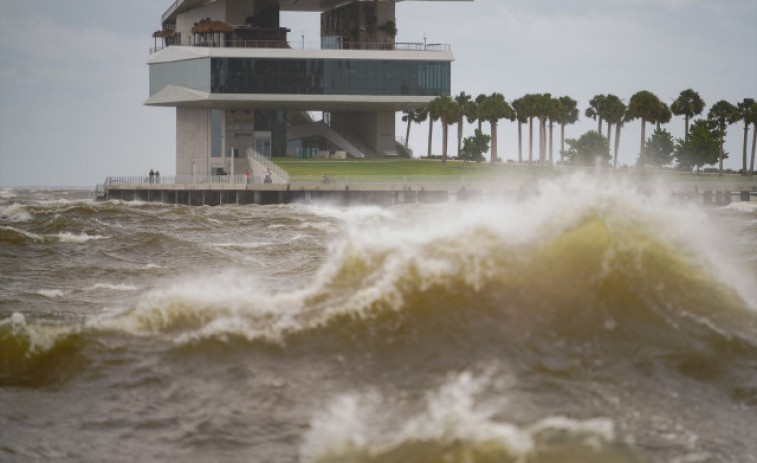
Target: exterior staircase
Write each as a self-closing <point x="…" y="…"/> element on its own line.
<point x="320" y="128"/>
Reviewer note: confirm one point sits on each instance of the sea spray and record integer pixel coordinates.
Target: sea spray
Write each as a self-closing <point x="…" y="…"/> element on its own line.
<point x="451" y="426"/>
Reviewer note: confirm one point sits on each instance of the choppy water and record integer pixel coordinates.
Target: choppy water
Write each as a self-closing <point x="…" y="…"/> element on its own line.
<point x="587" y="323"/>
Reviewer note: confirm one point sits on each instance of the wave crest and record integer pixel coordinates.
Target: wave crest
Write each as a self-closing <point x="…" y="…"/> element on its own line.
<point x="451" y="425"/>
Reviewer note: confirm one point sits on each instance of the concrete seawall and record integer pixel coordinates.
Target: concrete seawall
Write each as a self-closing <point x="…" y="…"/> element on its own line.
<point x="385" y="194"/>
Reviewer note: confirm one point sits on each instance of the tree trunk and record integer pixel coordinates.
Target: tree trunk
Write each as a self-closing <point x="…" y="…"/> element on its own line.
<point x="686" y="134"/>
<point x="562" y="141"/>
<point x="531" y="139"/>
<point x="617" y="143"/>
<point x="541" y="141"/>
<point x="543" y="144"/>
<point x="754" y="145"/>
<point x="494" y="141"/>
<point x="407" y="135"/>
<point x="609" y="131"/>
<point x="520" y="142"/>
<point x="445" y="129"/>
<point x="430" y="134"/>
<point x="459" y="135"/>
<point x="551" y="151"/>
<point x="599" y="125"/>
<point x="643" y="137"/>
<point x="720" y="154"/>
<point x="746" y="141"/>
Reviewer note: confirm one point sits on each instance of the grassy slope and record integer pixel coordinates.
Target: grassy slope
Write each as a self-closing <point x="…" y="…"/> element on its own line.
<point x="314" y="169"/>
<point x="379" y="167"/>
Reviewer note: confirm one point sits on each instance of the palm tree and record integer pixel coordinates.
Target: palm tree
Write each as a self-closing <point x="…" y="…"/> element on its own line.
<point x="542" y="107"/>
<point x="433" y="111"/>
<point x="413" y="116"/>
<point x="744" y="108"/>
<point x="688" y="104"/>
<point x="663" y="115"/>
<point x="529" y="108"/>
<point x="752" y="115"/>
<point x="462" y="100"/>
<point x="475" y="109"/>
<point x="519" y="106"/>
<point x="724" y="114"/>
<point x="644" y="105"/>
<point x="494" y="108"/>
<point x="447" y="110"/>
<point x="567" y="113"/>
<point x="615" y="113"/>
<point x="596" y="110"/>
<point x="609" y="102"/>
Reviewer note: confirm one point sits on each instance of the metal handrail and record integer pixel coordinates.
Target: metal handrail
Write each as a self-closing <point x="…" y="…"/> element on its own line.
<point x="298" y="45"/>
<point x="275" y="168"/>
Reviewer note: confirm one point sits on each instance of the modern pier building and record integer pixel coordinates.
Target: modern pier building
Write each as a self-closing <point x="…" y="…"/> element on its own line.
<point x="242" y="91"/>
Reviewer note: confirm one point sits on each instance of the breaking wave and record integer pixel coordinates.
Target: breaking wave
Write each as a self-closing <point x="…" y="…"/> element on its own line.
<point x="597" y="270"/>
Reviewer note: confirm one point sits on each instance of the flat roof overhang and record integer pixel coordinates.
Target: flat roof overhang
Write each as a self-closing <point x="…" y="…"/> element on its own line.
<point x="180" y="53"/>
<point x="180" y="6"/>
<point x="173" y="96"/>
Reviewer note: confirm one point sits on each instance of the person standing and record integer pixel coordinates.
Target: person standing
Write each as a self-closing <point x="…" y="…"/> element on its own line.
<point x="152" y="176"/>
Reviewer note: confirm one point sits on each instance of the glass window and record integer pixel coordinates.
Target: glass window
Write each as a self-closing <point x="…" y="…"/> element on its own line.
<point x="329" y="76"/>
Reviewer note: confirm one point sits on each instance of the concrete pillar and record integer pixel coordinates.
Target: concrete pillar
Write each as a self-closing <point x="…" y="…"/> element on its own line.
<point x="744" y="195"/>
<point x="726" y="198"/>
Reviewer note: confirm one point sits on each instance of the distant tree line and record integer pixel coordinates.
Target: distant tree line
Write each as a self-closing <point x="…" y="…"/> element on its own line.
<point x="701" y="145"/>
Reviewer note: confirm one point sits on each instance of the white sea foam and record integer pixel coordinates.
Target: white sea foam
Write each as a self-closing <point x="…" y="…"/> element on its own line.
<point x="67" y="237"/>
<point x="7" y="193"/>
<point x="150" y="267"/>
<point x="113" y="287"/>
<point x="15" y="213"/>
<point x="242" y="245"/>
<point x="375" y="424"/>
<point x="353" y="215"/>
<point x="439" y="243"/>
<point x="320" y="226"/>
<point x="50" y="293"/>
<point x="41" y="337"/>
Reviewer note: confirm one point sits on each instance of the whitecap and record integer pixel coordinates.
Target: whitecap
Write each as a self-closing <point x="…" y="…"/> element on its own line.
<point x="7" y="193"/>
<point x="15" y="213"/>
<point x="67" y="237"/>
<point x="120" y="287"/>
<point x="368" y="422"/>
<point x="29" y="235"/>
<point x="50" y="293"/>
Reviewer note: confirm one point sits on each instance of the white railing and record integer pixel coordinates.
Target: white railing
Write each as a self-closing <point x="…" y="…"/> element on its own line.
<point x="299" y="45"/>
<point x="182" y="180"/>
<point x="268" y="164"/>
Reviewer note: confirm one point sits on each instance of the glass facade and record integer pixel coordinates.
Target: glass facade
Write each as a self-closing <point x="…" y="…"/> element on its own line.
<point x="329" y="76"/>
<point x="193" y="73"/>
<point x="216" y="131"/>
<point x="274" y="122"/>
<point x="305" y="76"/>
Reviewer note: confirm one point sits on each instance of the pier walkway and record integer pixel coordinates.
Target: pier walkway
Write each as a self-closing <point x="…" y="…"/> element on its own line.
<point x="385" y="190"/>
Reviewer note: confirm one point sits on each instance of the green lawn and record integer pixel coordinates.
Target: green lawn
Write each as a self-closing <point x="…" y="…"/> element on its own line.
<point x="398" y="170"/>
<point x="375" y="167"/>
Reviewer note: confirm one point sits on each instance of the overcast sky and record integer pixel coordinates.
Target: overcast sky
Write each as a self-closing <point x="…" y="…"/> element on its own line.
<point x="73" y="77"/>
